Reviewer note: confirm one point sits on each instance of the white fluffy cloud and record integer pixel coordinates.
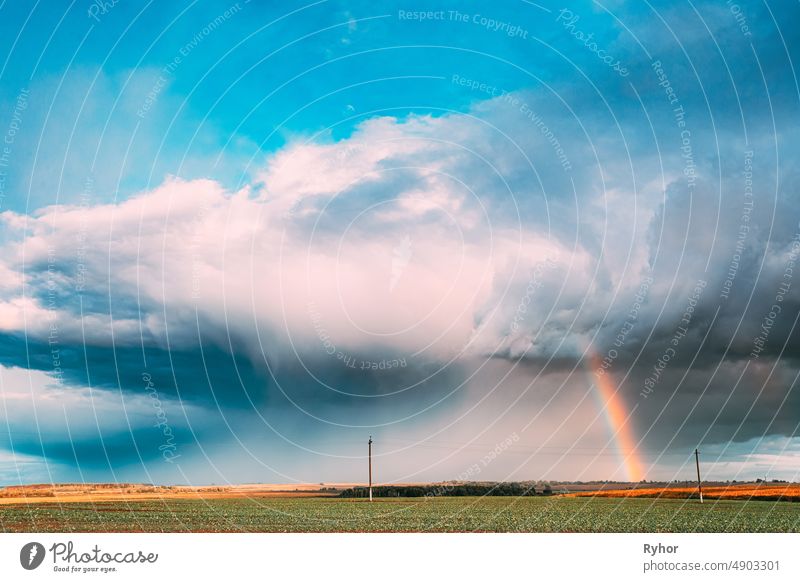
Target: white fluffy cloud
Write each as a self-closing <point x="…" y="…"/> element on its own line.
<point x="377" y="240"/>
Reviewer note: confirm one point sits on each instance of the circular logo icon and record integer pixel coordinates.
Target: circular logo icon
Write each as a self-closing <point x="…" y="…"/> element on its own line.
<point x="31" y="555"/>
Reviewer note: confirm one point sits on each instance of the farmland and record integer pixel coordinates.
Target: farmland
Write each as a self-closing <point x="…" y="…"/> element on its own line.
<point x="454" y="514"/>
<point x="762" y="491"/>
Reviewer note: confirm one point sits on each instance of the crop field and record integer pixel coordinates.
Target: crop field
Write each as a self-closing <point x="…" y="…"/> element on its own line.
<point x="452" y="514"/>
<point x="767" y="492"/>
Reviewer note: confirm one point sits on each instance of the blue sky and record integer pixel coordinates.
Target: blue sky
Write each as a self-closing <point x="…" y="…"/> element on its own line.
<point x="239" y="238"/>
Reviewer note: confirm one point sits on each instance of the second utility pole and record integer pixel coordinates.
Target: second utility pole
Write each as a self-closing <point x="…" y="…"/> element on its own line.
<point x="370" y="467"/>
<point x="697" y="462"/>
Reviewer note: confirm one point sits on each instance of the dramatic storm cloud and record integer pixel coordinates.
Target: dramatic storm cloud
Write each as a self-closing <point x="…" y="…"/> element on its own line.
<point x="225" y="277"/>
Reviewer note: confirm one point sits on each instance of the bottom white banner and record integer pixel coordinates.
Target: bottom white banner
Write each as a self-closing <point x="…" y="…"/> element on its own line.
<point x="333" y="557"/>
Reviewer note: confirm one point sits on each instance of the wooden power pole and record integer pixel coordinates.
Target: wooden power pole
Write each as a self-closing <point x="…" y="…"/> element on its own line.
<point x="697" y="463"/>
<point x="370" y="467"/>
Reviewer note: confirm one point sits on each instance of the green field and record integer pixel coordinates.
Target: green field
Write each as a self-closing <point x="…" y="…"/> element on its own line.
<point x="452" y="514"/>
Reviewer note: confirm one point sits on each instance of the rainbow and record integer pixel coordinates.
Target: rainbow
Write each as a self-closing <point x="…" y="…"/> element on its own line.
<point x="618" y="418"/>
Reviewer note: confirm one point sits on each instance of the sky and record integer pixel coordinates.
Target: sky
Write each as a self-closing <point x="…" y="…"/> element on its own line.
<point x="506" y="241"/>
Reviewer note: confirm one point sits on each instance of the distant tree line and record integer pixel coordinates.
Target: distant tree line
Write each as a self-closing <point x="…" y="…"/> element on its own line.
<point x="449" y="490"/>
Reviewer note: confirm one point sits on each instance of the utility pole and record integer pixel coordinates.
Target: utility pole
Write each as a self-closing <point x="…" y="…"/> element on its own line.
<point x="697" y="462"/>
<point x="370" y="467"/>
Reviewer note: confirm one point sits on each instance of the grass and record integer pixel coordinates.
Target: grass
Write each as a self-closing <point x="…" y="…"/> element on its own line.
<point x="452" y="514"/>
